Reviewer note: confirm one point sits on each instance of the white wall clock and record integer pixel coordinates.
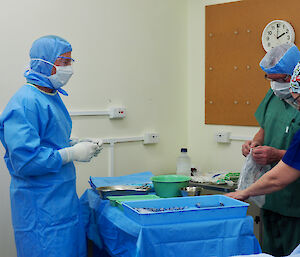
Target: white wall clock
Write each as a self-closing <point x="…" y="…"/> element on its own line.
<point x="277" y="32"/>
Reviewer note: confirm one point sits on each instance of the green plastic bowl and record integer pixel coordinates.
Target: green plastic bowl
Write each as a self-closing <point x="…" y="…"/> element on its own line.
<point x="169" y="185"/>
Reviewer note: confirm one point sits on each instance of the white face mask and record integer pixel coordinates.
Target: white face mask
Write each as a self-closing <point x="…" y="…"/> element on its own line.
<point x="281" y="90"/>
<point x="61" y="77"/>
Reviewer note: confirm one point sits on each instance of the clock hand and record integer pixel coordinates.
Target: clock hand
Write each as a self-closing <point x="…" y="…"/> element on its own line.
<point x="281" y="35"/>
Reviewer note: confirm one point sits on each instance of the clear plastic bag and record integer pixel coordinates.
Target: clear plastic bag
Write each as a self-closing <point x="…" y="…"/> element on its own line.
<point x="251" y="172"/>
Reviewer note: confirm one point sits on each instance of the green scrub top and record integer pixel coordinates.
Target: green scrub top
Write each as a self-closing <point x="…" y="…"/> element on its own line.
<point x="280" y="122"/>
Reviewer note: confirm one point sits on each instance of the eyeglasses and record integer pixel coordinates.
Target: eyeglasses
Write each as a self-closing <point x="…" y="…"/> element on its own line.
<point x="280" y="79"/>
<point x="64" y="61"/>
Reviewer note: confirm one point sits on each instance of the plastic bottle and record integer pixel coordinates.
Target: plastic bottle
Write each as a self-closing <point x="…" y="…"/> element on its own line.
<point x="183" y="163"/>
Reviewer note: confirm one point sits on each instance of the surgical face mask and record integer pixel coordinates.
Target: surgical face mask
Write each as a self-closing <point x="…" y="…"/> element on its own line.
<point x="61" y="77"/>
<point x="281" y="90"/>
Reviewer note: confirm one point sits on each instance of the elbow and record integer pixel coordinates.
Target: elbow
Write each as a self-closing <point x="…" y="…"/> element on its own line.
<point x="26" y="170"/>
<point x="39" y="165"/>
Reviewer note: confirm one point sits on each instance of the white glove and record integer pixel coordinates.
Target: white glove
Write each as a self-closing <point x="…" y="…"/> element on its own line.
<point x="98" y="150"/>
<point x="99" y="143"/>
<point x="82" y="152"/>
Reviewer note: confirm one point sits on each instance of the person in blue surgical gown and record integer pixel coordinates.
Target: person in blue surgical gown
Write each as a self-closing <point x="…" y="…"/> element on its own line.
<point x="35" y="130"/>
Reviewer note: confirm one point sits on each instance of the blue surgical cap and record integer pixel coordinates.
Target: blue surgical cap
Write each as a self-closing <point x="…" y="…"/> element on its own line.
<point x="281" y="59"/>
<point x="47" y="48"/>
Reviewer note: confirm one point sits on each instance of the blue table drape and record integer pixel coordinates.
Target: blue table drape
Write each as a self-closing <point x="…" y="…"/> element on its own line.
<point x="132" y="179"/>
<point x="110" y="229"/>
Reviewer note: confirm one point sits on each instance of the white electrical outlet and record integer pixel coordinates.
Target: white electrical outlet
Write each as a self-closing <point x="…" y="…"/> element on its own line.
<point x="151" y="138"/>
<point x="117" y="113"/>
<point x="222" y="137"/>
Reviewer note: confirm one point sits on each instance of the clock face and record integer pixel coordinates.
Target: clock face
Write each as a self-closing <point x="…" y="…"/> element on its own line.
<point x="277" y="32"/>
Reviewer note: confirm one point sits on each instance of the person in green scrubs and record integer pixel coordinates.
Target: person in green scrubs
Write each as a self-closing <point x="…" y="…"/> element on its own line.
<point x="278" y="121"/>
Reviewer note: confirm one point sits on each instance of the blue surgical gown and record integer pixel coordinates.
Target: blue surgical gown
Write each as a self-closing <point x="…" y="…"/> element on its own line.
<point x="44" y="205"/>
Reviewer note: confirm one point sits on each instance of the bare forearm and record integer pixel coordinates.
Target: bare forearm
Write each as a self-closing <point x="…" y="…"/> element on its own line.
<point x="280" y="154"/>
<point x="259" y="136"/>
<point x="274" y="180"/>
<point x="276" y="155"/>
<point x="265" y="185"/>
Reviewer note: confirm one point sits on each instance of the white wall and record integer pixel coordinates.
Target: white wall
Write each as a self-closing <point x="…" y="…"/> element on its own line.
<point x="145" y="55"/>
<point x="205" y="152"/>
<point x="131" y="53"/>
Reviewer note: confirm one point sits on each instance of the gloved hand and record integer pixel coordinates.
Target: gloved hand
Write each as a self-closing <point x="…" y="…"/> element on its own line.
<point x="99" y="143"/>
<point x="98" y="150"/>
<point x="82" y="152"/>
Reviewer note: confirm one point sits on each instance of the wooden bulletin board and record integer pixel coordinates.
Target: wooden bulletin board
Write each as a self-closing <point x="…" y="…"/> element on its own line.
<point x="234" y="82"/>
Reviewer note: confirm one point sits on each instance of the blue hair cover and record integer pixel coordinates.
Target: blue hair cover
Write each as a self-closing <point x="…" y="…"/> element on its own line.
<point x="285" y="64"/>
<point x="47" y="48"/>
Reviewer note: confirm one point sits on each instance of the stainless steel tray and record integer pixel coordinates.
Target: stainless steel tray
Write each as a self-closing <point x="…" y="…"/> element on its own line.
<point x="120" y="190"/>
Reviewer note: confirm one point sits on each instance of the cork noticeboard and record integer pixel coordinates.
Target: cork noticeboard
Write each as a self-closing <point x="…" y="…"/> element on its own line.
<point x="234" y="82"/>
